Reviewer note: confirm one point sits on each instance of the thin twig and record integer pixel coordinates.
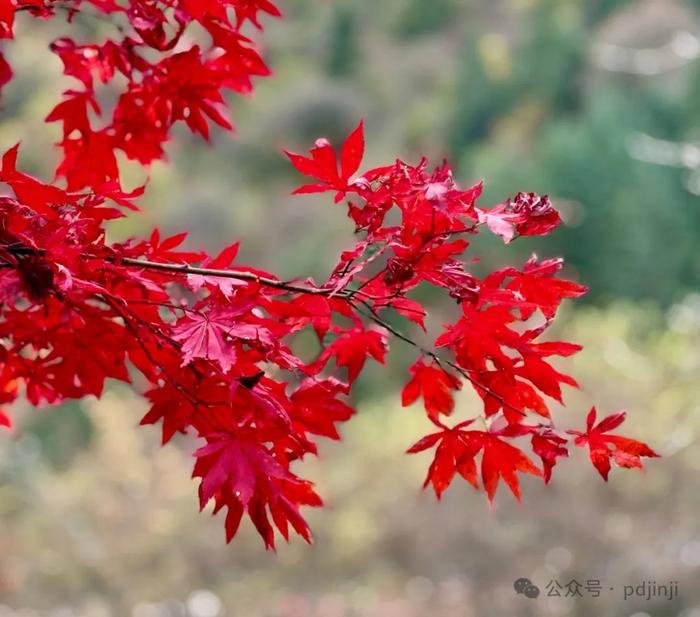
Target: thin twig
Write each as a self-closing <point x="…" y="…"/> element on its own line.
<point x="376" y="318"/>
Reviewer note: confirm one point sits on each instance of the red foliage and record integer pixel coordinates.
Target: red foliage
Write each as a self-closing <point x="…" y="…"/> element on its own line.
<point x="216" y="343"/>
<point x="623" y="451"/>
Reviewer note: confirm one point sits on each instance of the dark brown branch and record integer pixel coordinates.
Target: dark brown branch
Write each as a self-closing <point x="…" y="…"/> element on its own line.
<point x="347" y="295"/>
<point x="188" y="269"/>
<point x="220" y="273"/>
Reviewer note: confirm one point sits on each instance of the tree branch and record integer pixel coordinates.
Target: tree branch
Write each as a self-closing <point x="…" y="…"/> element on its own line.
<point x="347" y="295"/>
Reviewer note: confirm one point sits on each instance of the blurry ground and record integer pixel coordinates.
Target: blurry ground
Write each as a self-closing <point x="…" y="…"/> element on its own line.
<point x="98" y="520"/>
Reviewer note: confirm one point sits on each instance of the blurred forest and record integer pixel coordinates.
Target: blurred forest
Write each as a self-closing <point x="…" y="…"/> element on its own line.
<point x="594" y="102"/>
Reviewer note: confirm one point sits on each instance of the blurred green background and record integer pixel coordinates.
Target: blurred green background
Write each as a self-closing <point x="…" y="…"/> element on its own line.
<point x="595" y="102"/>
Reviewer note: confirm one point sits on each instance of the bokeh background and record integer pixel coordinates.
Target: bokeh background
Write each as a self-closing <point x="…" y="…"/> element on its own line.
<point x="595" y="102"/>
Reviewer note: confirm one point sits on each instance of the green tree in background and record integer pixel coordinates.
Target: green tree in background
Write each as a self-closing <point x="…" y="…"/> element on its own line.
<point x="564" y="128"/>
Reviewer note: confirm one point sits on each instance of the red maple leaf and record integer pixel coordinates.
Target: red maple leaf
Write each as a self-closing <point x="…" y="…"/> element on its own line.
<point x="206" y="336"/>
<point x="456" y="451"/>
<point x="317" y="408"/>
<point x="454" y="454"/>
<point x="501" y="460"/>
<point x="604" y="448"/>
<point x="43" y="198"/>
<point x="549" y="445"/>
<point x="246" y="477"/>
<point x="352" y="348"/>
<point x="435" y="385"/>
<point x="323" y="164"/>
<point x="527" y="214"/>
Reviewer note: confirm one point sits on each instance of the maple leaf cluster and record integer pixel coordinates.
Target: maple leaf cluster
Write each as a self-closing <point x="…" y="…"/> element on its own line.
<point x="216" y="345"/>
<point x="153" y="70"/>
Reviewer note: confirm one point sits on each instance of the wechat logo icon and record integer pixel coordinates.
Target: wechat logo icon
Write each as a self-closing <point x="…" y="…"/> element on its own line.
<point x="525" y="587"/>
